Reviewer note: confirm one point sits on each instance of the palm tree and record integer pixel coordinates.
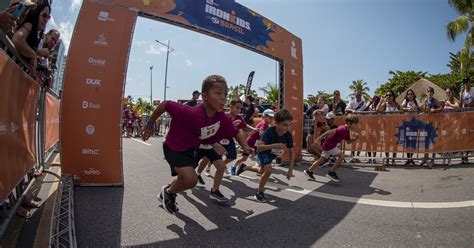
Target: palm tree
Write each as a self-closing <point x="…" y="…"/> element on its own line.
<point x="271" y="92"/>
<point x="462" y="24"/>
<point x="360" y="85"/>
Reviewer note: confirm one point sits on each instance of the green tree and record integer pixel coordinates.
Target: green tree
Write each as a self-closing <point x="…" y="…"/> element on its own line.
<point x="400" y="81"/>
<point x="362" y="86"/>
<point x="238" y="91"/>
<point x="271" y="93"/>
<point x="462" y="24"/>
<point x="313" y="99"/>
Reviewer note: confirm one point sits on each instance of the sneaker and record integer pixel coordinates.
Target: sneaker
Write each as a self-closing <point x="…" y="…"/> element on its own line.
<point x="218" y="196"/>
<point x="227" y="171"/>
<point x="233" y="170"/>
<point x="333" y="176"/>
<point x="207" y="173"/>
<point x="260" y="197"/>
<point x="309" y="174"/>
<point x="241" y="169"/>
<point x="168" y="200"/>
<point x="200" y="180"/>
<point x="465" y="160"/>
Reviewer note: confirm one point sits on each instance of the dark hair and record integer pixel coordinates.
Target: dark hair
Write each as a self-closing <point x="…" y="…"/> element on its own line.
<point x="406" y="95"/>
<point x="352" y="119"/>
<point x="235" y="101"/>
<point x="283" y="115"/>
<point x="35" y="37"/>
<point x="208" y="82"/>
<point x="250" y="98"/>
<point x="336" y="91"/>
<point x="393" y="94"/>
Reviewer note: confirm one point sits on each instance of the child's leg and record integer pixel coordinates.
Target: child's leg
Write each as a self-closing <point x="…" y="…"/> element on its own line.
<point x="267" y="171"/>
<point x="220" y="168"/>
<point x="241" y="160"/>
<point x="317" y="163"/>
<point x="186" y="179"/>
<point x="338" y="162"/>
<point x="202" y="164"/>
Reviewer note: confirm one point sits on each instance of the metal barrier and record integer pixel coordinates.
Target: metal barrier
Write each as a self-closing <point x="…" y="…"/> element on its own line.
<point x="43" y="158"/>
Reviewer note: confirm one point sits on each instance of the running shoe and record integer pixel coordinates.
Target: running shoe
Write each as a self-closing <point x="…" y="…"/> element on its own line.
<point x="168" y="200"/>
<point x="333" y="176"/>
<point x="260" y="197"/>
<point x="200" y="180"/>
<point x="241" y="169"/>
<point x="207" y="173"/>
<point x="218" y="196"/>
<point x="309" y="174"/>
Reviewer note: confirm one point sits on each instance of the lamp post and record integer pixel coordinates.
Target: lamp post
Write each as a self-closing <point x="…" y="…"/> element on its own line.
<point x="151" y="85"/>
<point x="166" y="68"/>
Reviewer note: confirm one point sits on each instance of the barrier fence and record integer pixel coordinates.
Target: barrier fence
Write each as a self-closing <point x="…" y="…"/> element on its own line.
<point x="29" y="130"/>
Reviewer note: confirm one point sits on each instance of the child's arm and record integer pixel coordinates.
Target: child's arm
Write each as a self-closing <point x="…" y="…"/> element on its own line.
<point x="289" y="174"/>
<point x="324" y="135"/>
<point x="243" y="143"/>
<point x="147" y="130"/>
<point x="252" y="128"/>
<point x="354" y="138"/>
<point x="261" y="146"/>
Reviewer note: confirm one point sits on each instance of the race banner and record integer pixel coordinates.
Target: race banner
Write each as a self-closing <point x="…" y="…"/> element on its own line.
<point x="18" y="106"/>
<point x="249" y="83"/>
<point x="418" y="133"/>
<point x="52" y="121"/>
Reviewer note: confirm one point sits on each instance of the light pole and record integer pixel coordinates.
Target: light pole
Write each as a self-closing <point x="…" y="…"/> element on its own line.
<point x="151" y="86"/>
<point x="166" y="68"/>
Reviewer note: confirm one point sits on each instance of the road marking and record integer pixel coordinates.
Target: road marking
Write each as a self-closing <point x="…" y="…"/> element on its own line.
<point x="139" y="141"/>
<point x="373" y="202"/>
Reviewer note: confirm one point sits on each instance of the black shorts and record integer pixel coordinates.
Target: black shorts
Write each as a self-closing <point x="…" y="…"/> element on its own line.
<point x="211" y="154"/>
<point x="231" y="150"/>
<point x="179" y="159"/>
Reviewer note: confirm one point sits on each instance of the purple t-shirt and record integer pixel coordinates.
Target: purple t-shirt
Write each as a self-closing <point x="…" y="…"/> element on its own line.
<point x="342" y="133"/>
<point x="252" y="139"/>
<point x="239" y="123"/>
<point x="190" y="126"/>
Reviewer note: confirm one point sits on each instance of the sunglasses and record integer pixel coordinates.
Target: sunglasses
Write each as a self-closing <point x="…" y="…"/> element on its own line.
<point x="45" y="16"/>
<point x="410" y="94"/>
<point x="389" y="95"/>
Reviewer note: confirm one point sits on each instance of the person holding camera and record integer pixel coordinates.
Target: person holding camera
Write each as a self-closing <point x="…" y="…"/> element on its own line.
<point x="467" y="94"/>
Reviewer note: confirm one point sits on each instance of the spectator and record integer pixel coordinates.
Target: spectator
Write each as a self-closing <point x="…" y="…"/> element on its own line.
<point x="450" y="103"/>
<point x="411" y="103"/>
<point x="193" y="101"/>
<point x="319" y="108"/>
<point x="431" y="105"/>
<point x="388" y="104"/>
<point x="28" y="36"/>
<point x="467" y="94"/>
<point x="46" y="46"/>
<point x="260" y="107"/>
<point x="251" y="111"/>
<point x="8" y="22"/>
<point x="339" y="106"/>
<point x="357" y="104"/>
<point x="372" y="105"/>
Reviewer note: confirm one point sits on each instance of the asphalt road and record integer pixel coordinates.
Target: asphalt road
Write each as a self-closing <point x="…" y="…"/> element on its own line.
<point x="414" y="207"/>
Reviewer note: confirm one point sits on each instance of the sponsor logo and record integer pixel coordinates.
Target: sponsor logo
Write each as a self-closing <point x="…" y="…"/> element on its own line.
<point x="101" y="40"/>
<point x="93" y="81"/>
<point x="294" y="98"/>
<point x="211" y="2"/>
<point x="416" y="133"/>
<point x="294" y="86"/>
<point x="90" y="129"/>
<point x="3" y="128"/>
<point x="363" y="133"/>
<point x="14" y="127"/>
<point x="104" y="17"/>
<point x="293" y="108"/>
<point x="92" y="172"/>
<point x="226" y="19"/>
<point x="293" y="72"/>
<point x="97" y="62"/>
<point x="89" y="105"/>
<point x="463" y="131"/>
<point x="90" y="151"/>
<point x="293" y="49"/>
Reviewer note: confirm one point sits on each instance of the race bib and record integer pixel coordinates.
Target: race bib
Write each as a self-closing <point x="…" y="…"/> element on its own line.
<point x="210" y="131"/>
<point x="225" y="142"/>
<point x="278" y="152"/>
<point x="205" y="147"/>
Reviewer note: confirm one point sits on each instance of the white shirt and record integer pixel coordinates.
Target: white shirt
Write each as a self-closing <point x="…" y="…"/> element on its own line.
<point x="468" y="97"/>
<point x="411" y="103"/>
<point x="357" y="106"/>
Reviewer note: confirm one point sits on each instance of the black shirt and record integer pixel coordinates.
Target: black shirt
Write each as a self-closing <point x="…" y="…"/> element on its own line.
<point x="191" y="103"/>
<point x="271" y="137"/>
<point x="249" y="112"/>
<point x="338" y="108"/>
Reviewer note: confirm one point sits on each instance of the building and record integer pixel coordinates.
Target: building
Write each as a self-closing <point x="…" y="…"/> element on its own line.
<point x="56" y="65"/>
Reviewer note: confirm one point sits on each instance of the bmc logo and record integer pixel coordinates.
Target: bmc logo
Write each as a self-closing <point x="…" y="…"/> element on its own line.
<point x="97" y="62"/>
<point x="92" y="81"/>
<point x="90" y="151"/>
<point x="92" y="171"/>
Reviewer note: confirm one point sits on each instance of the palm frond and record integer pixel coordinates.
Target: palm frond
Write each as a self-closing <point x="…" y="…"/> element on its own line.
<point x="457" y="27"/>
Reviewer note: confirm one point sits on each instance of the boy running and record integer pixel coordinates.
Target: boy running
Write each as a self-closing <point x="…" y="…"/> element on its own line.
<point x="190" y="126"/>
<point x="333" y="137"/>
<point x="273" y="141"/>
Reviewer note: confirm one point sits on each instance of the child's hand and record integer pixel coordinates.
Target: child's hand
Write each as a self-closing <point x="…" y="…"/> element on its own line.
<point x="146" y="132"/>
<point x="279" y="146"/>
<point x="355" y="136"/>
<point x="219" y="149"/>
<point x="248" y="150"/>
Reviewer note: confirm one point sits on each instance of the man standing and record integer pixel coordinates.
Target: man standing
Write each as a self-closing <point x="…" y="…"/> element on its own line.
<point x="339" y="106"/>
<point x="193" y="101"/>
<point x="251" y="111"/>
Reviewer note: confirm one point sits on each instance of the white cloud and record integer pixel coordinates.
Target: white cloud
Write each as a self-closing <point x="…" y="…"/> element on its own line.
<point x="141" y="43"/>
<point x="75" y="4"/>
<point x="188" y="62"/>
<point x="153" y="49"/>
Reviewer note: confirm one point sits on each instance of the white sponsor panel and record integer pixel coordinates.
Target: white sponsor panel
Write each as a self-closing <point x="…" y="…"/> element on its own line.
<point x="104" y="16"/>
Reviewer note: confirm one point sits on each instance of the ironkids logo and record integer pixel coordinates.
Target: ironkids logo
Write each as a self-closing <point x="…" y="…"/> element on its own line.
<point x="92" y="171"/>
<point x="98" y="62"/>
<point x="226" y="19"/>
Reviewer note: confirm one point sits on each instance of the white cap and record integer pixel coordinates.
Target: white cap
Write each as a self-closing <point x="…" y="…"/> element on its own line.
<point x="330" y="116"/>
<point x="269" y="112"/>
<point x="27" y="3"/>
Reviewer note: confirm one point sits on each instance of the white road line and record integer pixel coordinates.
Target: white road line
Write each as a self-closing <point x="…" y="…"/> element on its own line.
<point x="139" y="141"/>
<point x="373" y="202"/>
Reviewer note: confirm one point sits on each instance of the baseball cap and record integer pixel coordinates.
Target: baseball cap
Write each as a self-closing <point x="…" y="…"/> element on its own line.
<point x="269" y="112"/>
<point x="330" y="116"/>
<point x="196" y="92"/>
<point x="27" y="3"/>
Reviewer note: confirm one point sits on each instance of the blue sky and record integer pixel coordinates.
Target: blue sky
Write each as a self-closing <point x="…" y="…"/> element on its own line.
<point x="343" y="40"/>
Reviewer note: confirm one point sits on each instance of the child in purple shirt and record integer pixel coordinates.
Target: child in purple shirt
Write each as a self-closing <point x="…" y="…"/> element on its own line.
<point x="190" y="126"/>
<point x="333" y="137"/>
